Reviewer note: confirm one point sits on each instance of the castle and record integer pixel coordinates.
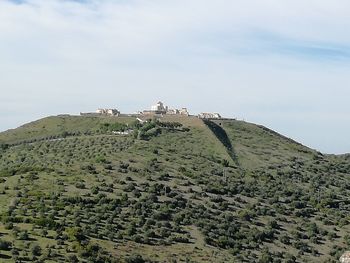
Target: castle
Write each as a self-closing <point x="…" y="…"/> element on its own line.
<point x="158" y="109"/>
<point x="161" y="109"/>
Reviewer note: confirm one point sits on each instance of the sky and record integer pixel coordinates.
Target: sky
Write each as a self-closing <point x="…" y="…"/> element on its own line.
<point x="283" y="64"/>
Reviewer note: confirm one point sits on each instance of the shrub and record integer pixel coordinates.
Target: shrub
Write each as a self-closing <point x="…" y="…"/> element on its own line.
<point x="80" y="185"/>
<point x="5" y="245"/>
<point x="135" y="259"/>
<point x="23" y="235"/>
<point x="72" y="259"/>
<point x="36" y="250"/>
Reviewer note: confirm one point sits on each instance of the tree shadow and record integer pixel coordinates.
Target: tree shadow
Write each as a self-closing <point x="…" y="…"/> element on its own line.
<point x="2" y="256"/>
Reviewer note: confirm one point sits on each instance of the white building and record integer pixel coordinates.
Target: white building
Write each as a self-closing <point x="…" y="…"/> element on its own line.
<point x="109" y="112"/>
<point x="184" y="111"/>
<point x="207" y="115"/>
<point x="159" y="107"/>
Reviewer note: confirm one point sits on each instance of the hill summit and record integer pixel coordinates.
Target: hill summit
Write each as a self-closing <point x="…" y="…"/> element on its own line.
<point x="173" y="188"/>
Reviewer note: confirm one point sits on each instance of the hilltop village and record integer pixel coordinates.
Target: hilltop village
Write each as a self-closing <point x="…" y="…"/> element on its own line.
<point x="158" y="110"/>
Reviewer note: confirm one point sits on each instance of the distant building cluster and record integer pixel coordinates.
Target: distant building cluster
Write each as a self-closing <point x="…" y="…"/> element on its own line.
<point x="102" y="112"/>
<point x="109" y="112"/>
<point x="207" y="115"/>
<point x="160" y="108"/>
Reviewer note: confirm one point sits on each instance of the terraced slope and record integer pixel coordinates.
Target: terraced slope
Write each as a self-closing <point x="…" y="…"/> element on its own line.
<point x="178" y="190"/>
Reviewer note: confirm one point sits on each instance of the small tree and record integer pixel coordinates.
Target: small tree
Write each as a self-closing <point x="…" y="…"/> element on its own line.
<point x="15" y="254"/>
<point x="23" y="235"/>
<point x="36" y="250"/>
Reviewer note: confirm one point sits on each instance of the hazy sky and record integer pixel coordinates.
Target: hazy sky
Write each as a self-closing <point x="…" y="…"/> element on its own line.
<point x="284" y="64"/>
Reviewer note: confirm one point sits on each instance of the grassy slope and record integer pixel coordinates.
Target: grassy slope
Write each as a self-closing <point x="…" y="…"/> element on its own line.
<point x="259" y="147"/>
<point x="175" y="151"/>
<point x="274" y="175"/>
<point x="273" y="161"/>
<point x="56" y="126"/>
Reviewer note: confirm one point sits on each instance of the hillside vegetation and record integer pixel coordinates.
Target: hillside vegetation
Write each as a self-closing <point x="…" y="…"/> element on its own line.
<point x="109" y="189"/>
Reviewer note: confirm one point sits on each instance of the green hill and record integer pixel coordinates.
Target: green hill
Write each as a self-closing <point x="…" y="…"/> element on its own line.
<point x="109" y="189"/>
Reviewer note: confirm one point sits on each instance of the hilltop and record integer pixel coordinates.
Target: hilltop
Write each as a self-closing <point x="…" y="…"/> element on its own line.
<point x="173" y="189"/>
